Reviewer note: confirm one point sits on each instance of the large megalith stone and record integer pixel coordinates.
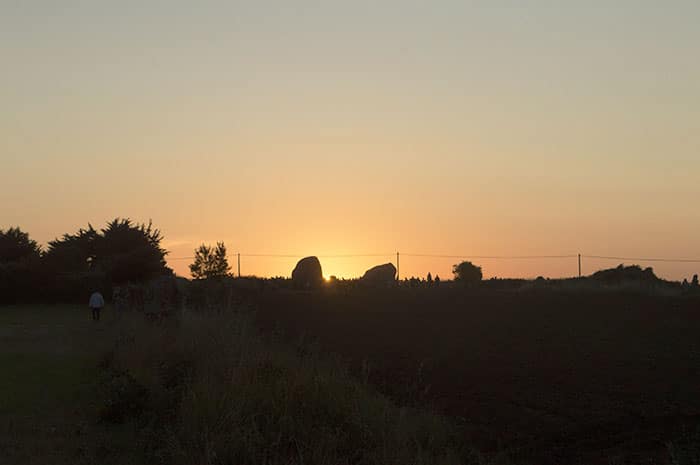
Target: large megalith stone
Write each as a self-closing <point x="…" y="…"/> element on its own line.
<point x="381" y="275"/>
<point x="307" y="274"/>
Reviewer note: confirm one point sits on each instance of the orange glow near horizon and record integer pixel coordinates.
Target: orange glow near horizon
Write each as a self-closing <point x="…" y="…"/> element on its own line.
<point x="345" y="128"/>
<point x="412" y="266"/>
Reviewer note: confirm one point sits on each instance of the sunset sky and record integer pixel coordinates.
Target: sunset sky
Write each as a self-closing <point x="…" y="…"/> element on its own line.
<point x="360" y="127"/>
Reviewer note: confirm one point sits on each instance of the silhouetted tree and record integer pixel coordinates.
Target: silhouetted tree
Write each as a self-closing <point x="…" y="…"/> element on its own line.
<point x="695" y="282"/>
<point x="210" y="262"/>
<point x="73" y="252"/>
<point x="20" y="273"/>
<point x="430" y="279"/>
<point x="15" y="246"/>
<point x="437" y="280"/>
<point x="128" y="251"/>
<point x="467" y="273"/>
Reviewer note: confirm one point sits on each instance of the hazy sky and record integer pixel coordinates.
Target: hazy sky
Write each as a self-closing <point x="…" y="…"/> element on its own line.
<point x="446" y="127"/>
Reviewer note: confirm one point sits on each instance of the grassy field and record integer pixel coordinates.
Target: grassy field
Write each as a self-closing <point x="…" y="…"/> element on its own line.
<point x="545" y="378"/>
<point x="550" y="377"/>
<point x="50" y="357"/>
<point x="198" y="389"/>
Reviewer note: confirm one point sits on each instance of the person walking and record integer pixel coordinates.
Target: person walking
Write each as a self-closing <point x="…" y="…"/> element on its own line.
<point x="120" y="299"/>
<point x="96" y="304"/>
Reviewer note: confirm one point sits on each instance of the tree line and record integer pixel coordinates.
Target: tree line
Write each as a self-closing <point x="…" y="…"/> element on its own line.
<point x="126" y="252"/>
<point x="77" y="263"/>
<point x="123" y="251"/>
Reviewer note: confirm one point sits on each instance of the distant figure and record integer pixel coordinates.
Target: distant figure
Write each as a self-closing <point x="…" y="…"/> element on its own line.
<point x="96" y="304"/>
<point x="119" y="299"/>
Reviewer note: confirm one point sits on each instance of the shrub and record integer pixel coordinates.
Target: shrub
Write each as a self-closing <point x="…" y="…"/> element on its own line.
<point x="123" y="397"/>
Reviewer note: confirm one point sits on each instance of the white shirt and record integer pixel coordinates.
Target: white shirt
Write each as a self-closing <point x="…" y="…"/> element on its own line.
<point x="96" y="300"/>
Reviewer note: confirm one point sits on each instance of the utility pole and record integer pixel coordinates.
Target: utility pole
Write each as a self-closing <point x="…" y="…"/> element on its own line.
<point x="579" y="265"/>
<point x="239" y="265"/>
<point x="397" y="267"/>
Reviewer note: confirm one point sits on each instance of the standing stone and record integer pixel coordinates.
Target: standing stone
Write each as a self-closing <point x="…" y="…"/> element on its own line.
<point x="382" y="275"/>
<point x="307" y="274"/>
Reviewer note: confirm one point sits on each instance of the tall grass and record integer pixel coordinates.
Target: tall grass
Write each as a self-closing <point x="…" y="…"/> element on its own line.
<point x="685" y="450"/>
<point x="210" y="390"/>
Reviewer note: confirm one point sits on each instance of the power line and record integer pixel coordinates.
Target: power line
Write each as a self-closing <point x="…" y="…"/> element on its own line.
<point x="667" y="260"/>
<point x="319" y="256"/>
<point x="497" y="257"/>
<point x="261" y="255"/>
<point x="462" y="256"/>
<point x="271" y="255"/>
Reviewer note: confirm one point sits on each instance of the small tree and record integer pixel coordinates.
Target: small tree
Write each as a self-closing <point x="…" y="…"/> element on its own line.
<point x="429" y="279"/>
<point x="467" y="273"/>
<point x="210" y="262"/>
<point x="695" y="282"/>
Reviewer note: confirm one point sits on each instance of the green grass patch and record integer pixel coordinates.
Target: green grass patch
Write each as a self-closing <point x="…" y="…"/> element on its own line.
<point x="49" y="360"/>
<point x="35" y="382"/>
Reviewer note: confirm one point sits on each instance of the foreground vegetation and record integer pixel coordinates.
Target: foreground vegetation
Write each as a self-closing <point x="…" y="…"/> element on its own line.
<point x="545" y="376"/>
<point x="210" y="390"/>
<point x="538" y="379"/>
<point x="196" y="390"/>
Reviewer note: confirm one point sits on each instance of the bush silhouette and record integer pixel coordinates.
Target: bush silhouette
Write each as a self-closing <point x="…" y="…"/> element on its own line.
<point x="467" y="273"/>
<point x="625" y="274"/>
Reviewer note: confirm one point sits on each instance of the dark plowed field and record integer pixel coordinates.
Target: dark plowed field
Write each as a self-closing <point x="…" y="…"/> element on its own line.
<point x="549" y="377"/>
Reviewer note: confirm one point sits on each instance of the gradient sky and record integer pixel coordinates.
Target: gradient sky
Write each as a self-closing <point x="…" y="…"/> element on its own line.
<point x="441" y="127"/>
